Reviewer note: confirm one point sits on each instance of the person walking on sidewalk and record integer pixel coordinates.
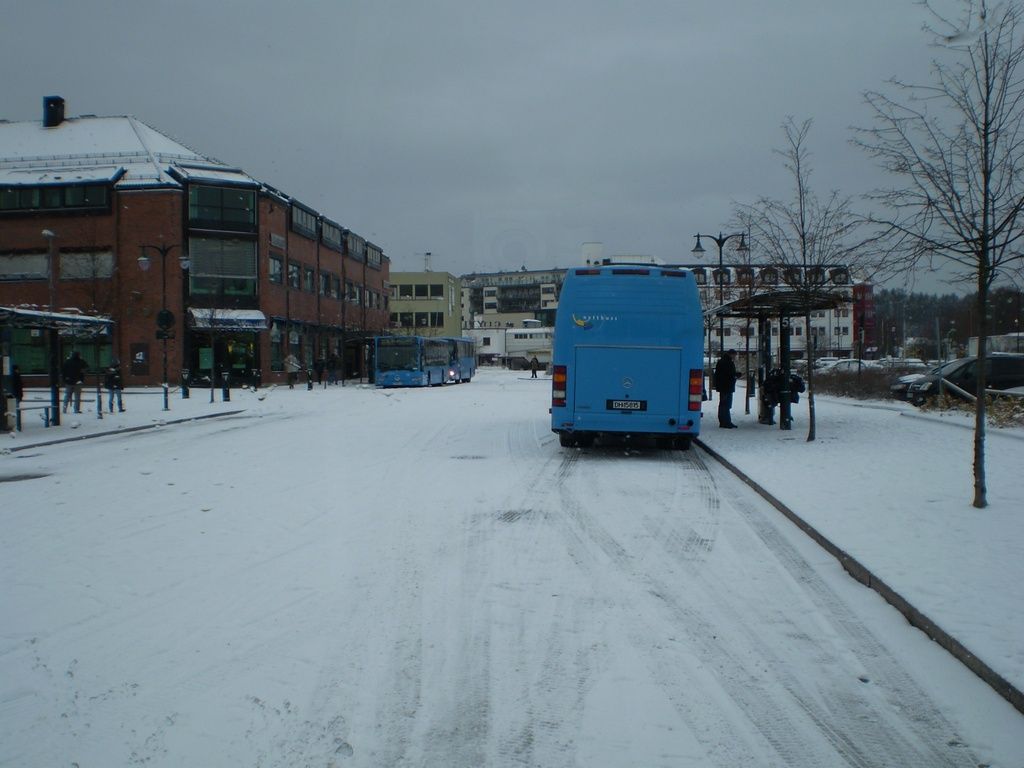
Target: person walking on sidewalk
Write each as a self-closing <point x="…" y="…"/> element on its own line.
<point x="725" y="383"/>
<point x="114" y="384"/>
<point x="292" y="366"/>
<point x="73" y="373"/>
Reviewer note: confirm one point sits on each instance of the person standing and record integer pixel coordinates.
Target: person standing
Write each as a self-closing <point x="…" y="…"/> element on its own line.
<point x="534" y="365"/>
<point x="292" y="366"/>
<point x="725" y="383"/>
<point x="114" y="384"/>
<point x="17" y="387"/>
<point x="73" y="373"/>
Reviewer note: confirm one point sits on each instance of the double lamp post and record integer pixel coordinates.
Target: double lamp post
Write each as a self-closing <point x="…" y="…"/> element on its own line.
<point x="699" y="251"/>
<point x="164" y="318"/>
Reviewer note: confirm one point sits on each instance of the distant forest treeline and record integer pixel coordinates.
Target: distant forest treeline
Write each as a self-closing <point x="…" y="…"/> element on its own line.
<point x="902" y="316"/>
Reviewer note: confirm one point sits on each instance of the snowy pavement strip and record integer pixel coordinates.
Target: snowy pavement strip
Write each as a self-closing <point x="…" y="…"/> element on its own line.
<point x="123" y="430"/>
<point x="858" y="571"/>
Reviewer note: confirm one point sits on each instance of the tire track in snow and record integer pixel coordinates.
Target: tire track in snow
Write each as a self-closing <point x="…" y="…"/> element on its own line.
<point x="842" y="725"/>
<point x="931" y="737"/>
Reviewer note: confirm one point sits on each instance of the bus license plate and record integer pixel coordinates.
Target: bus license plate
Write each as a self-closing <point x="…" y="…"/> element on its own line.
<point x="627" y="405"/>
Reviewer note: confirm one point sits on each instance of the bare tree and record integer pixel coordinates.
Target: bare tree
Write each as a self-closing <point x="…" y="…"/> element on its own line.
<point x="957" y="147"/>
<point x="806" y="238"/>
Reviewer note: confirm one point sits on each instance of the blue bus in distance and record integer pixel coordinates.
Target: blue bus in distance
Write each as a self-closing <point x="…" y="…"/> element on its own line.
<point x="411" y="361"/>
<point x="461" y="359"/>
<point x="628" y="355"/>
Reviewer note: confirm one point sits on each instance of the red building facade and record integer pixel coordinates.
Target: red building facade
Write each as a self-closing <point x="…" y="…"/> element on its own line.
<point x="194" y="261"/>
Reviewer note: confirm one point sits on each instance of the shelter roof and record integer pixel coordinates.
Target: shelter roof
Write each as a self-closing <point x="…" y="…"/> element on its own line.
<point x="786" y="302"/>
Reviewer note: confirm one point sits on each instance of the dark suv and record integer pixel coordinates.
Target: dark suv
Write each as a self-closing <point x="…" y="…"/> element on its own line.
<point x="1002" y="371"/>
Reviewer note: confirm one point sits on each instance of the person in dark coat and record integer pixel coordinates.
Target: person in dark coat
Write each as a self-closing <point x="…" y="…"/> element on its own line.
<point x="73" y="372"/>
<point x="17" y="387"/>
<point x="534" y="365"/>
<point x="725" y="382"/>
<point x="114" y="384"/>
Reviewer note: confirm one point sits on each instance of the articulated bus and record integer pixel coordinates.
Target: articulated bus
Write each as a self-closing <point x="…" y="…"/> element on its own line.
<point x="628" y="356"/>
<point x="411" y="361"/>
<point x="461" y="359"/>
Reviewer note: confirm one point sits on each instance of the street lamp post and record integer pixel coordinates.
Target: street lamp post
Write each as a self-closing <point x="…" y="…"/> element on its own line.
<point x="52" y="335"/>
<point x="698" y="251"/>
<point x="164" y="318"/>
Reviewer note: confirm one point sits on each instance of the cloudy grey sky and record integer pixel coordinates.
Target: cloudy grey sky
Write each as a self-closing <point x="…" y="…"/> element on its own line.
<point x="494" y="135"/>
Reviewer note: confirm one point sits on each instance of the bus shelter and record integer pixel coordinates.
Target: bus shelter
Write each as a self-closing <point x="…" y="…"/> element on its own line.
<point x="54" y="325"/>
<point x="776" y="307"/>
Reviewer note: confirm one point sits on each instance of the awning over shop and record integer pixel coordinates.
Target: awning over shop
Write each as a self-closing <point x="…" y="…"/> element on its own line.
<point x="66" y="322"/>
<point x="228" y="319"/>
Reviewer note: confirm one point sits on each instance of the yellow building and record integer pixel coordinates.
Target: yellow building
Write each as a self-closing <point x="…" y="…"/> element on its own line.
<point x="425" y="304"/>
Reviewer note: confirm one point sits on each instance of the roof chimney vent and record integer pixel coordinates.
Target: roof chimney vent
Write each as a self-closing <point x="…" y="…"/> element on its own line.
<point x="53" y="111"/>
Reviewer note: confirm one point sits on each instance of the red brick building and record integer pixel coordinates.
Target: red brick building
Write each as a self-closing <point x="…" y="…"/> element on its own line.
<point x="181" y="251"/>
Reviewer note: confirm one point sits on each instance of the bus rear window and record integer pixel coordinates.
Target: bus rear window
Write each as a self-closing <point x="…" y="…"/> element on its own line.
<point x="631" y="271"/>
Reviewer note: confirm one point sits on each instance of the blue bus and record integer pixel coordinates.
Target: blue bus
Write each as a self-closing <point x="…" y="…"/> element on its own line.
<point x="461" y="360"/>
<point x="411" y="361"/>
<point x="628" y="356"/>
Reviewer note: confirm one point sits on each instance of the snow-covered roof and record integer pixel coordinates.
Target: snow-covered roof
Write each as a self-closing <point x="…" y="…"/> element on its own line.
<point x="82" y="149"/>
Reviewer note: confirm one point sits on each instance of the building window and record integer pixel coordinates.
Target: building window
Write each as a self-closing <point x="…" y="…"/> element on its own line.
<point x="436" y="291"/>
<point x="223" y="208"/>
<point x="53" y="197"/>
<point x="304" y="222"/>
<point x="222" y="267"/>
<point x="86" y="266"/>
<point x="276" y="271"/>
<point x="356" y="247"/>
<point x="24" y="266"/>
<point x="294" y="275"/>
<point x="840" y="277"/>
<point x="325" y="284"/>
<point x="420" y="291"/>
<point x="374" y="256"/>
<point x="309" y="281"/>
<point x="331" y="235"/>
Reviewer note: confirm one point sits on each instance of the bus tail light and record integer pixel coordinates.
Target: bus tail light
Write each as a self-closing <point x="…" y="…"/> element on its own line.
<point x="559" y="378"/>
<point x="696" y="388"/>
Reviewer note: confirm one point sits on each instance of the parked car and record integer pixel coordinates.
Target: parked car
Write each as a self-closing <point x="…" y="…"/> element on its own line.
<point x="900" y="388"/>
<point x="850" y="366"/>
<point x="1003" y="371"/>
<point x="904" y="364"/>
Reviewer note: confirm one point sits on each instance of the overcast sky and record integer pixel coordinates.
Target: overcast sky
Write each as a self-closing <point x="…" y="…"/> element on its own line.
<point x="494" y="135"/>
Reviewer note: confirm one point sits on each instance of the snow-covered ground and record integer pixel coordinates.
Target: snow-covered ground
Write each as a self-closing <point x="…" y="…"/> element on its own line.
<point x="367" y="577"/>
